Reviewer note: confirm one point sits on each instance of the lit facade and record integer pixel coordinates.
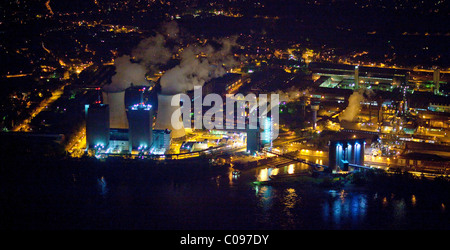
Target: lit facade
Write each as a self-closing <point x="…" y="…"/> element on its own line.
<point x="140" y="119"/>
<point x="97" y="125"/>
<point x="345" y="152"/>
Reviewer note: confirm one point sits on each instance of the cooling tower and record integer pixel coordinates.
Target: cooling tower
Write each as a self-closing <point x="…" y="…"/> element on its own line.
<point x="164" y="116"/>
<point x="117" y="113"/>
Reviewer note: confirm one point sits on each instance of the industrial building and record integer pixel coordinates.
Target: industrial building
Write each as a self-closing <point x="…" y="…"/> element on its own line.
<point x="266" y="135"/>
<point x="122" y="124"/>
<point x="161" y="141"/>
<point x="192" y="146"/>
<point x="134" y="95"/>
<point x="253" y="141"/>
<point x="140" y="119"/>
<point x="354" y="77"/>
<point x="222" y="85"/>
<point x="97" y="125"/>
<point x="119" y="142"/>
<point x="345" y="152"/>
<point x="127" y="123"/>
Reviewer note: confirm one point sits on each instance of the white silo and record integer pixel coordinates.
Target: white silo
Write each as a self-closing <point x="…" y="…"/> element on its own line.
<point x="166" y="108"/>
<point x="117" y="112"/>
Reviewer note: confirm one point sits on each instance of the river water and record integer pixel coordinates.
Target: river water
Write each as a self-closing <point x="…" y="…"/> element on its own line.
<point x="112" y="200"/>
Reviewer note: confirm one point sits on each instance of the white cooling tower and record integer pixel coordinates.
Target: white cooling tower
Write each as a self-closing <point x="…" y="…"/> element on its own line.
<point x="164" y="117"/>
<point x="117" y="112"/>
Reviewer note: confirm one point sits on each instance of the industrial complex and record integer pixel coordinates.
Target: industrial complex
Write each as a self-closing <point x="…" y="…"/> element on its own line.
<point x="141" y="122"/>
<point x="236" y="114"/>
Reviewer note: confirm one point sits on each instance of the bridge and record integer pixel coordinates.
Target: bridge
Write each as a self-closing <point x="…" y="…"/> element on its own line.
<point x="293" y="158"/>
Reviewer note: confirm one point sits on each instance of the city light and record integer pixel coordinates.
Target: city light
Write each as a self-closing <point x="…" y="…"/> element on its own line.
<point x="225" y="115"/>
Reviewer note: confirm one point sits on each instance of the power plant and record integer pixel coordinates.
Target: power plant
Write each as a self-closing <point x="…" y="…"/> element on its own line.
<point x="140" y="118"/>
<point x="167" y="107"/>
<point x="117" y="112"/>
<point x="124" y="122"/>
<point x="345" y="153"/>
<point x="97" y="125"/>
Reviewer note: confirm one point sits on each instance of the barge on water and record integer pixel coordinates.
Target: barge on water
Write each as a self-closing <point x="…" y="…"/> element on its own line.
<point x="312" y="177"/>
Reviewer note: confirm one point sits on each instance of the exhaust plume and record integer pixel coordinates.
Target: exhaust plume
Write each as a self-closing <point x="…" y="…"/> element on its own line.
<point x="127" y="73"/>
<point x="196" y="69"/>
<point x="354" y="104"/>
<point x="292" y="94"/>
<point x="147" y="56"/>
<point x="152" y="51"/>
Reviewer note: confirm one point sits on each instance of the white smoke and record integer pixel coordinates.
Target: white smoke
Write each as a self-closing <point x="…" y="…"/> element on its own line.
<point x="354" y="104"/>
<point x="147" y="56"/>
<point x="170" y="29"/>
<point x="223" y="56"/>
<point x="152" y="51"/>
<point x="198" y="65"/>
<point x="292" y="94"/>
<point x="127" y="73"/>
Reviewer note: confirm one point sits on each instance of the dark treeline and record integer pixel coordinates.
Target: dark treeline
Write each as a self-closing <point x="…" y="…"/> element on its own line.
<point x="404" y="183"/>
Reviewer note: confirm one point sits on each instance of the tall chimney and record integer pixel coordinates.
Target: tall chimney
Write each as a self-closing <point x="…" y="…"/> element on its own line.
<point x="314" y="108"/>
<point x="436" y="80"/>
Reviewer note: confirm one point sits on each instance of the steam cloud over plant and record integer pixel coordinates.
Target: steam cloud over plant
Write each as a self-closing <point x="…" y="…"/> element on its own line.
<point x="354" y="104"/>
<point x="195" y="70"/>
<point x="199" y="63"/>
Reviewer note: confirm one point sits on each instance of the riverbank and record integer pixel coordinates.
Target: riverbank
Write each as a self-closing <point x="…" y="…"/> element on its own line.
<point x="373" y="180"/>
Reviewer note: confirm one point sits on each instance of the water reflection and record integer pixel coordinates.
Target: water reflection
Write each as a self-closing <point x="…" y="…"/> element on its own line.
<point x="291" y="169"/>
<point x="290" y="198"/>
<point x="274" y="171"/>
<point x="385" y="202"/>
<point x="342" y="195"/>
<point x="344" y="208"/>
<point x="265" y="195"/>
<point x="102" y="186"/>
<point x="399" y="209"/>
<point x="264" y="173"/>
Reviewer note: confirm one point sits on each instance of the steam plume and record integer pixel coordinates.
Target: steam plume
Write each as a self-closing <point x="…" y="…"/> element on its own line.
<point x="148" y="55"/>
<point x="195" y="70"/>
<point x="292" y="94"/>
<point x="127" y="72"/>
<point x="199" y="63"/>
<point x="354" y="104"/>
<point x="152" y="51"/>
